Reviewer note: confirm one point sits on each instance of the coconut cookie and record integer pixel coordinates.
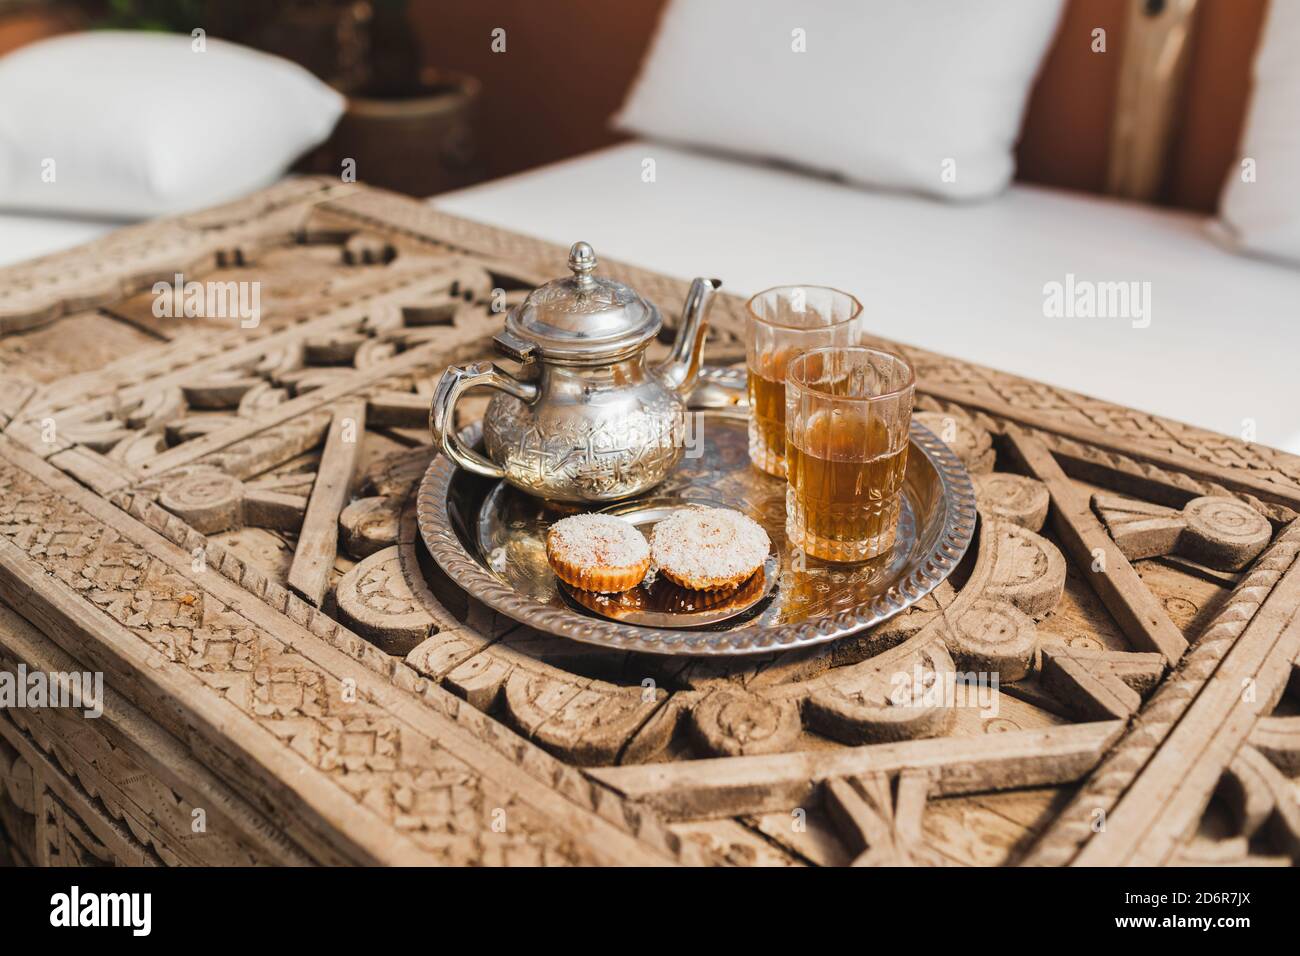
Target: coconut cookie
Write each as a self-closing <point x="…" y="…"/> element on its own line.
<point x="708" y="549"/>
<point x="597" y="553"/>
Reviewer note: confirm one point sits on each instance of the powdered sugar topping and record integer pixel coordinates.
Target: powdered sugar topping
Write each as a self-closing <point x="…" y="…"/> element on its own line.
<point x="709" y="544"/>
<point x="595" y="540"/>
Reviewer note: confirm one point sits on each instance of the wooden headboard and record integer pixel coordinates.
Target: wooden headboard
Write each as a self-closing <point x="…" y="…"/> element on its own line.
<point x="1077" y="108"/>
<point x="1215" y="99"/>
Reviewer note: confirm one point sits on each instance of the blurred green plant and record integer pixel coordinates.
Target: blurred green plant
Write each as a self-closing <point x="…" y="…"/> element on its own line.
<point x="168" y="16"/>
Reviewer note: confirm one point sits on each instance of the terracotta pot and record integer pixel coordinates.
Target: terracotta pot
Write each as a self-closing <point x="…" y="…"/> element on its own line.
<point x="419" y="145"/>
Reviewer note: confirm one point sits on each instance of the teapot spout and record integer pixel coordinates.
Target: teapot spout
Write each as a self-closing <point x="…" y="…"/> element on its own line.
<point x="682" y="367"/>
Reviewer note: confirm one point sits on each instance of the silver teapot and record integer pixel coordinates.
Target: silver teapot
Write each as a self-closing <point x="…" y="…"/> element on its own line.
<point x="589" y="421"/>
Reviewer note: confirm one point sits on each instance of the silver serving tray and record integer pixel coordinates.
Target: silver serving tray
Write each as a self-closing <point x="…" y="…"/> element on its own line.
<point x="490" y="539"/>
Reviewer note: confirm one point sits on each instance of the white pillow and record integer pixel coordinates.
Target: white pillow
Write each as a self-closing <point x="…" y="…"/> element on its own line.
<point x="141" y="124"/>
<point x="1260" y="205"/>
<point x="908" y="94"/>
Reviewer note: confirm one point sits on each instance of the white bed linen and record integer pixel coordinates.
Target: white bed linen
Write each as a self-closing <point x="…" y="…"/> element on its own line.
<point x="968" y="281"/>
<point x="24" y="236"/>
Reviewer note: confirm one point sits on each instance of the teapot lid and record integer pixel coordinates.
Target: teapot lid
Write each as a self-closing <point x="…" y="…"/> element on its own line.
<point x="581" y="317"/>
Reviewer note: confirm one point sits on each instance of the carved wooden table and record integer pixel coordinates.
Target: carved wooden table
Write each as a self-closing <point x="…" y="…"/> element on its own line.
<point x="219" y="519"/>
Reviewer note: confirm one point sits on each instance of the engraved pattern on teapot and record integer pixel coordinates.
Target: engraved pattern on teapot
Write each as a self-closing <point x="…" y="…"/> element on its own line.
<point x="604" y="459"/>
<point x="596" y="300"/>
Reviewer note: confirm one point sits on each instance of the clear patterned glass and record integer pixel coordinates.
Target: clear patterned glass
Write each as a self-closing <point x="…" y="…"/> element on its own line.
<point x="848" y="411"/>
<point x="781" y="323"/>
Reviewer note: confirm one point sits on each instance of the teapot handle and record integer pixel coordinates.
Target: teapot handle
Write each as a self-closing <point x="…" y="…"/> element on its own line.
<point x="454" y="383"/>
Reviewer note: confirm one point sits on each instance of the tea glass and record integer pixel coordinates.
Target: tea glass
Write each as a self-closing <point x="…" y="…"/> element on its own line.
<point x="848" y="410"/>
<point x="781" y="323"/>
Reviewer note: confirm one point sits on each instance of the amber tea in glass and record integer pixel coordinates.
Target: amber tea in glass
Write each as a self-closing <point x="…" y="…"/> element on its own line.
<point x="782" y="323"/>
<point x="848" y="412"/>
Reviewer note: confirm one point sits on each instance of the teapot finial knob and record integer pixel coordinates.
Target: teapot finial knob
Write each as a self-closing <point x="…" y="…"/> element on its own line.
<point x="582" y="261"/>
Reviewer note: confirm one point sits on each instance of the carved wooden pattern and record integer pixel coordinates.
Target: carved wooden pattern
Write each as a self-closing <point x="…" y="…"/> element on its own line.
<point x="179" y="509"/>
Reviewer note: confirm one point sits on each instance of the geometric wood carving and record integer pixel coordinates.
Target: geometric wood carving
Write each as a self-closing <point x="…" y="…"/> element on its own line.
<point x="208" y="501"/>
<point x="375" y="600"/>
<point x="1013" y="498"/>
<point x="1017" y="576"/>
<point x="881" y="818"/>
<point x="731" y="723"/>
<point x="973" y="445"/>
<point x="1222" y="533"/>
<point x="369" y="525"/>
<point x="1157" y="781"/>
<point x="319" y="538"/>
<point x="1100" y="685"/>
<point x="1140" y="529"/>
<point x="316" y="667"/>
<point x="1118" y="585"/>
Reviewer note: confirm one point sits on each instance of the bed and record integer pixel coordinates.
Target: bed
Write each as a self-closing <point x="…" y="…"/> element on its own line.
<point x="28" y="236"/>
<point x="967" y="280"/>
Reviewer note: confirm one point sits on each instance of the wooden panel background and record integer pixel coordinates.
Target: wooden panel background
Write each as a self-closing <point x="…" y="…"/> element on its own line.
<point x="1215" y="102"/>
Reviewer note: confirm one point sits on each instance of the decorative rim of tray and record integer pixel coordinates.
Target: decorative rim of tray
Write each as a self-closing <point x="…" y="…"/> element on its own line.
<point x="938" y="563"/>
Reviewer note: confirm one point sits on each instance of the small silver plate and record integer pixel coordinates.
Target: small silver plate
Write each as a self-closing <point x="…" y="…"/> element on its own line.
<point x="489" y="538"/>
